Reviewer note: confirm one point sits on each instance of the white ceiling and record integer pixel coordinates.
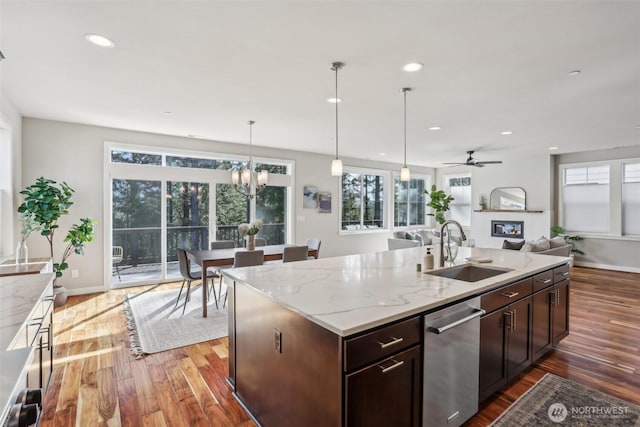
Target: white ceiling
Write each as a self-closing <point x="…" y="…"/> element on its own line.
<point x="489" y="66"/>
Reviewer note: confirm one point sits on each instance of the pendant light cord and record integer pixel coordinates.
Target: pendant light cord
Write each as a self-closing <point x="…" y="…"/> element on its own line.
<point x="405" y="127"/>
<point x="337" y="67"/>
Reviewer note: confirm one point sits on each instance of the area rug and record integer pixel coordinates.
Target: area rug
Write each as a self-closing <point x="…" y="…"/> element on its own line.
<point x="156" y="325"/>
<point x="555" y="401"/>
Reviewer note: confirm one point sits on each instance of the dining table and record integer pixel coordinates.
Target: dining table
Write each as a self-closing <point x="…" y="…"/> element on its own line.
<point x="211" y="258"/>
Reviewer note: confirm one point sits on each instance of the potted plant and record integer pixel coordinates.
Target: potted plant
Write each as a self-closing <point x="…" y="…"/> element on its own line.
<point x="45" y="202"/>
<point x="571" y="239"/>
<point x="439" y="203"/>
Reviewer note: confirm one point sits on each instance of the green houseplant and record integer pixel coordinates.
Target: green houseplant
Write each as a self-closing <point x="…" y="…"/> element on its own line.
<point x="45" y="202"/>
<point x="439" y="203"/>
<point x="571" y="239"/>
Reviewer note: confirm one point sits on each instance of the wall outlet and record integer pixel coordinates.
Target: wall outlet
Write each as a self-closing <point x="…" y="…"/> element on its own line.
<point x="74" y="274"/>
<point x="277" y="340"/>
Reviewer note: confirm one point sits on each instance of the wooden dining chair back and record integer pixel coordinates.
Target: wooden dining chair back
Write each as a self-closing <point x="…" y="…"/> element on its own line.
<point x="295" y="253"/>
<point x="314" y="244"/>
<point x="223" y="244"/>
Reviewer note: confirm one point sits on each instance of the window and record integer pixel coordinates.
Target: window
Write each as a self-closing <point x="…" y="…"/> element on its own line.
<point x="585" y="198"/>
<point x="459" y="187"/>
<point x="362" y="200"/>
<point x="631" y="198"/>
<point x="409" y="202"/>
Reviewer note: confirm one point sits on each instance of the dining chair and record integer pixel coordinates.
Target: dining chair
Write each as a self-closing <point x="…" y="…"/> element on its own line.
<point x="245" y="259"/>
<point x="295" y="253"/>
<point x="261" y="241"/>
<point x="117" y="254"/>
<point x="223" y="244"/>
<point x="188" y="276"/>
<point x="314" y="244"/>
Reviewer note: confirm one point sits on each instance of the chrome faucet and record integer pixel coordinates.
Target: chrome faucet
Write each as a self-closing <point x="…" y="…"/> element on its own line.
<point x="462" y="235"/>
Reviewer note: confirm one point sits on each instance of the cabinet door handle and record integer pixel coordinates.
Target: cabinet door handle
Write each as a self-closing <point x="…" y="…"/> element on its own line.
<point x="396" y="364"/>
<point x="393" y="341"/>
<point x="566" y="273"/>
<point x="557" y="292"/>
<point x="509" y="317"/>
<point x="510" y="294"/>
<point x="515" y="319"/>
<point x="545" y="281"/>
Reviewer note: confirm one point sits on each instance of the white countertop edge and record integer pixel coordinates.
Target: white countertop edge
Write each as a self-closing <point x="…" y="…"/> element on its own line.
<point x="474" y="289"/>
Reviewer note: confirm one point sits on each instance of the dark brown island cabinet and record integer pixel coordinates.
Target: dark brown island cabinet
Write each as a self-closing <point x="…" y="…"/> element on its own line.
<point x="523" y="321"/>
<point x="289" y="371"/>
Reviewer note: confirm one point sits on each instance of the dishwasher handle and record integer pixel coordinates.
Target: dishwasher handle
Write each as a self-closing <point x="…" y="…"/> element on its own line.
<point x="476" y="313"/>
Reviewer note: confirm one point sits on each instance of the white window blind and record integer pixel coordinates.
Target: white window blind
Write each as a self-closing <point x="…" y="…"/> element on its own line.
<point x="459" y="187"/>
<point x="585" y="199"/>
<point x="631" y="199"/>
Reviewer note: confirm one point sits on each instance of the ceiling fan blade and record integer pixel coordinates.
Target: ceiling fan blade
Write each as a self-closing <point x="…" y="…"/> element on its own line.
<point x="489" y="162"/>
<point x="461" y="164"/>
<point x="477" y="164"/>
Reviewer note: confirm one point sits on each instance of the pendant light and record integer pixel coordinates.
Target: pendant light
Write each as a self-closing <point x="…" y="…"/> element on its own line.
<point x="247" y="182"/>
<point x="405" y="174"/>
<point x="336" y="164"/>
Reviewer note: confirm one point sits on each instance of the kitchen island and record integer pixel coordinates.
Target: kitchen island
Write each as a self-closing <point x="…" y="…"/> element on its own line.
<point x="299" y="332"/>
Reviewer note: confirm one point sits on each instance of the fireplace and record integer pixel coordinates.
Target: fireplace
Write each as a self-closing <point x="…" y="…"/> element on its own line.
<point x="512" y="229"/>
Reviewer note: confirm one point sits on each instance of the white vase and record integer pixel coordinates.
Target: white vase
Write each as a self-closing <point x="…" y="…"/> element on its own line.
<point x="251" y="242"/>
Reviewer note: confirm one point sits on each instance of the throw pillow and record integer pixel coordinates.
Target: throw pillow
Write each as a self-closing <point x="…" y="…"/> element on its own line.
<point x="557" y="241"/>
<point x="408" y="236"/>
<point x="537" y="246"/>
<point x="516" y="246"/>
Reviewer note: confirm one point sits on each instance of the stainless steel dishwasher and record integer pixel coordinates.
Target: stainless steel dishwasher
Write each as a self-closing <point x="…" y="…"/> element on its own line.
<point x="451" y="364"/>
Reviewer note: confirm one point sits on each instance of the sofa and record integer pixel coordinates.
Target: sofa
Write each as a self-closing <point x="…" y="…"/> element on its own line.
<point x="556" y="246"/>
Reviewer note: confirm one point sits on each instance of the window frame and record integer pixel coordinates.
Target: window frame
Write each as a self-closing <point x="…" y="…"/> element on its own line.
<point x="387" y="209"/>
<point x="428" y="219"/>
<point x="447" y="189"/>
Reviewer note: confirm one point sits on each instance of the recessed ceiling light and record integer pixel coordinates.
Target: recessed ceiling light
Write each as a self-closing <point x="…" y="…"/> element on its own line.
<point x="413" y="66"/>
<point x="553" y="148"/>
<point x="382" y="154"/>
<point x="435" y="128"/>
<point x="506" y="132"/>
<point x="167" y="113"/>
<point x="195" y="136"/>
<point x="574" y="73"/>
<point x="99" y="40"/>
<point x="334" y="100"/>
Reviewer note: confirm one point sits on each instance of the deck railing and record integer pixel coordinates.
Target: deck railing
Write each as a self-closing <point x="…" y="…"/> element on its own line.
<point x="142" y="245"/>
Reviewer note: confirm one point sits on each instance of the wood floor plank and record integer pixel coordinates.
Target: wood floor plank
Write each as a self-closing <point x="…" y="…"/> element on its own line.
<point x="96" y="379"/>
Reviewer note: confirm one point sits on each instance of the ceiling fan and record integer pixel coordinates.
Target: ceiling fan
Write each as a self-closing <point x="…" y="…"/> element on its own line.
<point x="473" y="162"/>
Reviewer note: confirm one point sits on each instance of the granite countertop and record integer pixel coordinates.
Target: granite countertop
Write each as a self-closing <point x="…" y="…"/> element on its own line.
<point x="351" y="294"/>
<point x="19" y="296"/>
<point x="13" y="363"/>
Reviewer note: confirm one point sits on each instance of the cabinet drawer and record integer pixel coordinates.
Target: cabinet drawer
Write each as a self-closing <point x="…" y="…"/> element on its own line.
<point x="560" y="273"/>
<point x="506" y="295"/>
<point x="542" y="280"/>
<point x="381" y="343"/>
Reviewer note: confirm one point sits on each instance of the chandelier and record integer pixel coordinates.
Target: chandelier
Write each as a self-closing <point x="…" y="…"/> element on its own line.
<point x="247" y="181"/>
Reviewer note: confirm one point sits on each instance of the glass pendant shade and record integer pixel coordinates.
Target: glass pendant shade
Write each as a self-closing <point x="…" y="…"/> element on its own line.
<point x="247" y="181"/>
<point x="336" y="167"/>
<point x="405" y="174"/>
<point x="245" y="177"/>
<point x="235" y="177"/>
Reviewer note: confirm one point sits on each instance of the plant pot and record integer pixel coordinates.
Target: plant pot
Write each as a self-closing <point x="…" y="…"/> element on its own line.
<point x="59" y="296"/>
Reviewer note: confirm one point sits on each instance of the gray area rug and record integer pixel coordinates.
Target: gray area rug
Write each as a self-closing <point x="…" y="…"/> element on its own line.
<point x="156" y="326"/>
<point x="555" y="401"/>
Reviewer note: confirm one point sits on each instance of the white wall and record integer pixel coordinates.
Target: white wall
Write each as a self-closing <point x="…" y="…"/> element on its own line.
<point x="533" y="174"/>
<point x="10" y="170"/>
<point x="74" y="153"/>
<point x="612" y="252"/>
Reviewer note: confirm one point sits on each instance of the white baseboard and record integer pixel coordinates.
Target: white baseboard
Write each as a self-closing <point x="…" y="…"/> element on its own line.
<point x="84" y="291"/>
<point x="608" y="267"/>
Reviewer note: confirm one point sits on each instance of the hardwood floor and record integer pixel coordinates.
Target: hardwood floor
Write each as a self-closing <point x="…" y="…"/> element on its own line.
<point x="97" y="382"/>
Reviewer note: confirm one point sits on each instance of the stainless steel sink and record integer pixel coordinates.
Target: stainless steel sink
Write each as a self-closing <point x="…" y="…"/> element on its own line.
<point x="469" y="273"/>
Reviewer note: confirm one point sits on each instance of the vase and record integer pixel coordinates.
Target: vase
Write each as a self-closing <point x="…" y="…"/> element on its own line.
<point x="251" y="242"/>
<point x="22" y="253"/>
